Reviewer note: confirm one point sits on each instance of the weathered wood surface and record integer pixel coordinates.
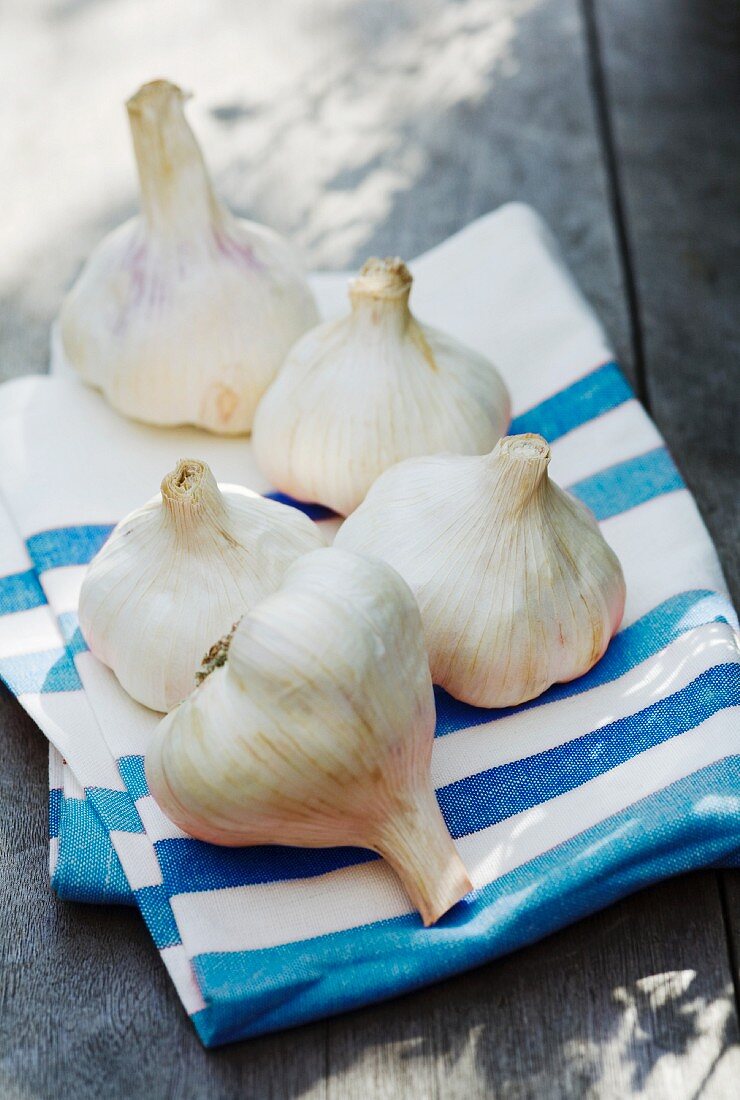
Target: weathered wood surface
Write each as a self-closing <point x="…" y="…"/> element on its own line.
<point x="388" y="127"/>
<point x="673" y="89"/>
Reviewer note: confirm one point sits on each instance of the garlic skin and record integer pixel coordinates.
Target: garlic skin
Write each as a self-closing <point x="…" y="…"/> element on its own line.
<point x="318" y="730"/>
<point x="178" y="572"/>
<point x="517" y="587"/>
<point x="356" y="396"/>
<point x="183" y="314"/>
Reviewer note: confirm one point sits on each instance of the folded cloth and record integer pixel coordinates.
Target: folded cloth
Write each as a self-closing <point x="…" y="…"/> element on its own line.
<point x="557" y="807"/>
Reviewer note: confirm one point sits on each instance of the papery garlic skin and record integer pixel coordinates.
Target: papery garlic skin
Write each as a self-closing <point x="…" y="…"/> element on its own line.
<point x="318" y="730"/>
<point x="518" y="589"/>
<point x="184" y="314"/>
<point x="178" y="572"/>
<point x="357" y="395"/>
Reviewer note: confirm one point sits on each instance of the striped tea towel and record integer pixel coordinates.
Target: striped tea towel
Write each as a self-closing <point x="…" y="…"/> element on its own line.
<point x="558" y="807"/>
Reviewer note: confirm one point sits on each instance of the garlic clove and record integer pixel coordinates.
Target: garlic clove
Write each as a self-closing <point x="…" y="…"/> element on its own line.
<point x="318" y="730"/>
<point x="357" y="395"/>
<point x="516" y="585"/>
<point x="184" y="314"/>
<point x="178" y="572"/>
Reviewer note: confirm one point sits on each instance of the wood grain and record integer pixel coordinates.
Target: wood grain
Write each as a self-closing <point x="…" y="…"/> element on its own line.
<point x="673" y="87"/>
<point x="637" y="1000"/>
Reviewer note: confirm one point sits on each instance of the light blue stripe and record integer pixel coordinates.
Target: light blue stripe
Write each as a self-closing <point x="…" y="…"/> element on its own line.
<point x="87" y="868"/>
<point x="63" y="546"/>
<point x="628" y="649"/>
<point x="686" y="825"/>
<point x="20" y="592"/>
<point x="115" y="809"/>
<point x="49" y="671"/>
<point x="475" y="802"/>
<point x="627" y="484"/>
<point x="599" y="392"/>
<point x="157" y="912"/>
<point x="69" y="625"/>
<point x="55" y="808"/>
<point x="131" y="769"/>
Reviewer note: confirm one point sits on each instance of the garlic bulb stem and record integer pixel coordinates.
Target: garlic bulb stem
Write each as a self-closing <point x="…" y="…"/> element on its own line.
<point x="190" y="495"/>
<point x="521" y="462"/>
<point x="176" y="193"/>
<point x="417" y="845"/>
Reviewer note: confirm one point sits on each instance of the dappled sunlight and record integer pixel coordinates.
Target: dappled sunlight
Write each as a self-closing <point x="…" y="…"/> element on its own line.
<point x="718" y="805"/>
<point x="704" y="1024"/>
<point x="620" y="833"/>
<point x="503" y="852"/>
<point x="662" y="672"/>
<point x="302" y="122"/>
<point x="317" y="119"/>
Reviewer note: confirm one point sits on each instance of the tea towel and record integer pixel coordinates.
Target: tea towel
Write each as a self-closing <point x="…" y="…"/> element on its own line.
<point x="558" y="807"/>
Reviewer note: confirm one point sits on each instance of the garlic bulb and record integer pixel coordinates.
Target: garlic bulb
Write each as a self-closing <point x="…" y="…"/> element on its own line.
<point x="175" y="574"/>
<point x="318" y="730"/>
<point x="358" y="395"/>
<point x="516" y="585"/>
<point x="184" y="314"/>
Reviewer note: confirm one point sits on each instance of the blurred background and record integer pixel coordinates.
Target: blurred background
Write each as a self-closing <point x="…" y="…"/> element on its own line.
<point x="354" y="126"/>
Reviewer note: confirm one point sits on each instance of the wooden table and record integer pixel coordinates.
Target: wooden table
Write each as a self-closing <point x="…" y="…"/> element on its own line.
<point x="619" y="122"/>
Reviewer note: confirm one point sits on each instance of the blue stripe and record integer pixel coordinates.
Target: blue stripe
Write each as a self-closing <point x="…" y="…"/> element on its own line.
<point x="55" y="809"/>
<point x="69" y="625"/>
<point x="686" y="825"/>
<point x="115" y="809"/>
<point x="49" y="671"/>
<point x="599" y="392"/>
<point x="191" y="865"/>
<point x="88" y="868"/>
<point x="157" y="912"/>
<point x="313" y="511"/>
<point x="472" y="803"/>
<point x="131" y="769"/>
<point x="62" y="546"/>
<point x="627" y="484"/>
<point x="479" y="801"/>
<point x="633" y="645"/>
<point x="20" y="592"/>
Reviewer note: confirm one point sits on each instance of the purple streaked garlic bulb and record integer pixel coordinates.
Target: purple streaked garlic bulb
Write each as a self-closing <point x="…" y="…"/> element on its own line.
<point x="183" y="314"/>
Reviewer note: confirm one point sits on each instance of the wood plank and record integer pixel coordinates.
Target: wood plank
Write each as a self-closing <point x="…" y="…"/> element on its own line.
<point x="673" y="79"/>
